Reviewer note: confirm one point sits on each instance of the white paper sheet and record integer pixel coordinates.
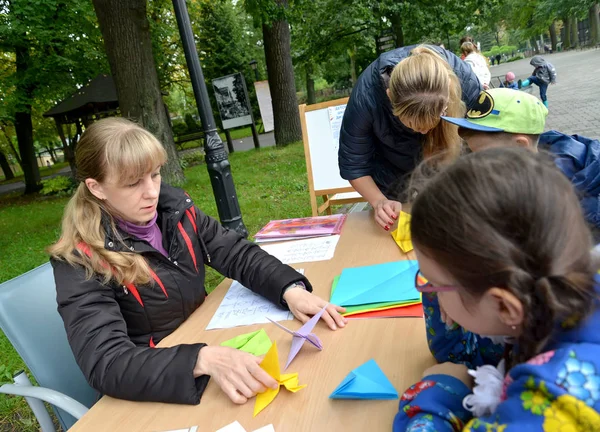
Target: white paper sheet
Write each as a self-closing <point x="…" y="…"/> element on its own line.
<point x="237" y="427"/>
<point x="241" y="307"/>
<point x="309" y="250"/>
<point x="233" y="427"/>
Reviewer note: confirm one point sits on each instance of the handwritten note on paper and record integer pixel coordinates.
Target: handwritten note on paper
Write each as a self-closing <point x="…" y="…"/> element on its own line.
<point x="241" y="307"/>
<point x="336" y="114"/>
<point x="309" y="250"/>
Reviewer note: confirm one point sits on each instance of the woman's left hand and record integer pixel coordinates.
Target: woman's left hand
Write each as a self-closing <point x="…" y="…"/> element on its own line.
<point x="458" y="371"/>
<point x="303" y="303"/>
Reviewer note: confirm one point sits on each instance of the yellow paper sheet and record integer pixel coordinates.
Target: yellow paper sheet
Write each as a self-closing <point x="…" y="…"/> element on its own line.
<point x="401" y="234"/>
<point x="270" y="364"/>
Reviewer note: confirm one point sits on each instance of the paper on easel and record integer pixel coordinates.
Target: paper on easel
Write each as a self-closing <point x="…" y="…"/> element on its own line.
<point x="241" y="307"/>
<point x="336" y="115"/>
<point x="237" y="427"/>
<point x="308" y="250"/>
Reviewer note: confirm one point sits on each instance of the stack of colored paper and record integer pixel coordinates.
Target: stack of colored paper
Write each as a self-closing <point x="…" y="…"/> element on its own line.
<point x="301" y="228"/>
<point x="378" y="291"/>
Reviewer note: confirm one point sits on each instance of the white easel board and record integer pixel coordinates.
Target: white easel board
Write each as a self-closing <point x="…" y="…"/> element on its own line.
<point x="321" y="124"/>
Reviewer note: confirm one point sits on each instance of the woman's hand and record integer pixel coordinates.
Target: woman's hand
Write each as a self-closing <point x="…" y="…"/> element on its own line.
<point x="386" y="212"/>
<point x="303" y="303"/>
<point x="458" y="371"/>
<point x="237" y="373"/>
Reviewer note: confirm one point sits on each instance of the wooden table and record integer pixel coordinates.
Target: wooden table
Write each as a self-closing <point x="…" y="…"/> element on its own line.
<point x="398" y="345"/>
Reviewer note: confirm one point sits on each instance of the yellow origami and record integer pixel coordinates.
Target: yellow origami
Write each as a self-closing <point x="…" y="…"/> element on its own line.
<point x="270" y="364"/>
<point x="401" y="234"/>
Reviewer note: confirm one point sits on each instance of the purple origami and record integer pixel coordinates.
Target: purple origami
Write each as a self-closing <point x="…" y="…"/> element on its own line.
<point x="303" y="334"/>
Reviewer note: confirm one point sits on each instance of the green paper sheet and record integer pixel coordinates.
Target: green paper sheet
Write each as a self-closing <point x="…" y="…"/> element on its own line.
<point x="256" y="343"/>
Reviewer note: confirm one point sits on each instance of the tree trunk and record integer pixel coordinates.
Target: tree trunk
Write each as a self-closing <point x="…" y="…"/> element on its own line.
<point x="352" y="53"/>
<point x="567" y="33"/>
<point x="276" y="36"/>
<point x="24" y="126"/>
<point x="126" y="32"/>
<point x="574" y="33"/>
<point x="553" y="38"/>
<point x="534" y="45"/>
<point x="595" y="23"/>
<point x="11" y="145"/>
<point x="398" y="31"/>
<point x="67" y="149"/>
<point x="310" y="85"/>
<point x="5" y="166"/>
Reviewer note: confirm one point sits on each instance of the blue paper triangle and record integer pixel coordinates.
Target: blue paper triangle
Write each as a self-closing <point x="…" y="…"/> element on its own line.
<point x="389" y="282"/>
<point x="365" y="382"/>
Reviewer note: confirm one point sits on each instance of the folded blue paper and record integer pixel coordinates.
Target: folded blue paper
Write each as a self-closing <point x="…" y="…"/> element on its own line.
<point x="389" y="282"/>
<point x="365" y="382"/>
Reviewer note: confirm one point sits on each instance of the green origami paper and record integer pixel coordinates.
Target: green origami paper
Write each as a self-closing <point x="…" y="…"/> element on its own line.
<point x="256" y="343"/>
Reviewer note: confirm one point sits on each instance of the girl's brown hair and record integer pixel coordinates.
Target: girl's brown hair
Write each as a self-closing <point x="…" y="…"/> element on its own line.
<point x="467" y="48"/>
<point x="423" y="86"/>
<point x="507" y="218"/>
<point x="121" y="150"/>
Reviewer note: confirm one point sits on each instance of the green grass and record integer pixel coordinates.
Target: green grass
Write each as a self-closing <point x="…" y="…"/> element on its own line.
<point x="44" y="171"/>
<point x="271" y="184"/>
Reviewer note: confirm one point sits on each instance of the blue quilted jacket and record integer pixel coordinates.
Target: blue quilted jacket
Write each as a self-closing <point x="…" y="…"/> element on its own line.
<point x="579" y="159"/>
<point x="373" y="142"/>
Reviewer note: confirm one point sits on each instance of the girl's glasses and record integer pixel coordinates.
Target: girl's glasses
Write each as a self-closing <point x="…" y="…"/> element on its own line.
<point x="423" y="285"/>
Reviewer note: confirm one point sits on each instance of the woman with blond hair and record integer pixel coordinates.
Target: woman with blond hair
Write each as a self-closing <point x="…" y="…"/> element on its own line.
<point x="392" y="121"/>
<point x="477" y="63"/>
<point x="129" y="270"/>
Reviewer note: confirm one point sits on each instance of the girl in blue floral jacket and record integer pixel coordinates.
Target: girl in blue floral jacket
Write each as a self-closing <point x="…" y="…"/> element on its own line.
<point x="503" y="246"/>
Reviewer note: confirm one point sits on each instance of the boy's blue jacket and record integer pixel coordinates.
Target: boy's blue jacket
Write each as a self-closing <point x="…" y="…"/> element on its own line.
<point x="558" y="390"/>
<point x="579" y="159"/>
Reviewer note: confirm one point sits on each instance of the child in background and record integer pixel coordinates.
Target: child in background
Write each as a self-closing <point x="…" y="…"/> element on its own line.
<point x="543" y="74"/>
<point x="506" y="260"/>
<point x="509" y="81"/>
<point x="477" y="63"/>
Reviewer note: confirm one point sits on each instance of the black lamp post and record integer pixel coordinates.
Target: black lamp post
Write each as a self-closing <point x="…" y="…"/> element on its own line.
<point x="217" y="163"/>
<point x="254" y="66"/>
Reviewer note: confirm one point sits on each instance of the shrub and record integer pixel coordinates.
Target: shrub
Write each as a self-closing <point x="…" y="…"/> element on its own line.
<point x="191" y="159"/>
<point x="59" y="185"/>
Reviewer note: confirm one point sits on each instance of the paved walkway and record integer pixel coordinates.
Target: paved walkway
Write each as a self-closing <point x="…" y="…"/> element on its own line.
<point x="266" y="140"/>
<point x="574" y="101"/>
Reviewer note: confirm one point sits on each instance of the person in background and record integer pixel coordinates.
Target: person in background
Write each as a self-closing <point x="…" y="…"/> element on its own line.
<point x="477" y="63"/>
<point x="464" y="39"/>
<point x="509" y="81"/>
<point x="500" y="238"/>
<point x="392" y="122"/>
<point x="543" y="75"/>
<point x="130" y="269"/>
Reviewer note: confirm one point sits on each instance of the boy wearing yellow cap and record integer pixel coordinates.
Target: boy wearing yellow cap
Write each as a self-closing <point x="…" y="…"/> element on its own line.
<point x="502" y="117"/>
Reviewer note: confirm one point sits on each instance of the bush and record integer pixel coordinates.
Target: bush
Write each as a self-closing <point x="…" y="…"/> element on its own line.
<point x="59" y="185"/>
<point x="191" y="159"/>
<point x="515" y="58"/>
<point x="504" y="49"/>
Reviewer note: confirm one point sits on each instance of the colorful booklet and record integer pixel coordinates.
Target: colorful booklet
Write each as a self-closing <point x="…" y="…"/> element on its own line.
<point x="299" y="228"/>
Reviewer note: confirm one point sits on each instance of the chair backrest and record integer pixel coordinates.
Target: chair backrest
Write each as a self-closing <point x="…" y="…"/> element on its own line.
<point x="30" y="320"/>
